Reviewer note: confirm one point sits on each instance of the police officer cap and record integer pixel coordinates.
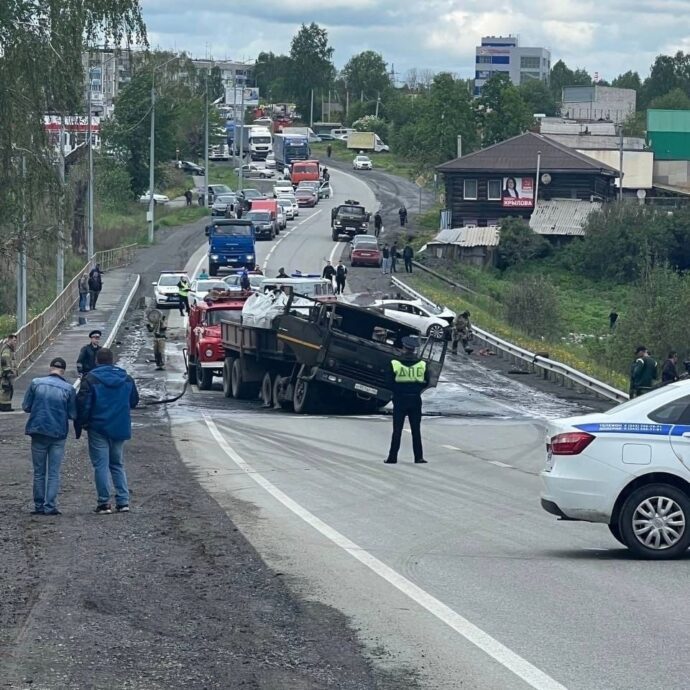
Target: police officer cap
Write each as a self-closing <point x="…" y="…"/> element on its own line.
<point x="94" y="333"/>
<point x="410" y="342"/>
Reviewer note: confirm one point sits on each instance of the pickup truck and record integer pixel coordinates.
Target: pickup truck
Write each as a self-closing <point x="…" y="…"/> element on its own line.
<point x="230" y="244"/>
<point x="310" y="358"/>
<point x="205" y="352"/>
<point x="349" y="219"/>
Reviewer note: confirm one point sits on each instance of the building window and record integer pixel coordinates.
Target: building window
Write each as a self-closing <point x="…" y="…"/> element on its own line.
<point x="494" y="189"/>
<point x="530" y="62"/>
<point x="500" y="59"/>
<point x="469" y="190"/>
<point x="529" y="76"/>
<point x="483" y="59"/>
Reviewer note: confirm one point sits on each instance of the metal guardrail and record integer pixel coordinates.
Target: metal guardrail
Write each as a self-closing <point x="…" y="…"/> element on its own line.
<point x="550" y="368"/>
<point x="33" y="336"/>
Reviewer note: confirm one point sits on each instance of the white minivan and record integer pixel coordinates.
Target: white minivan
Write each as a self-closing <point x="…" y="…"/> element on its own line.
<point x="343" y="133"/>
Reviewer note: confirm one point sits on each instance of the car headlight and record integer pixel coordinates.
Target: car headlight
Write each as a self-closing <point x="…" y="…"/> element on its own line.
<point x="209" y="352"/>
<point x="365" y="225"/>
<point x="338" y="224"/>
<point x="214" y="257"/>
<point x="250" y="257"/>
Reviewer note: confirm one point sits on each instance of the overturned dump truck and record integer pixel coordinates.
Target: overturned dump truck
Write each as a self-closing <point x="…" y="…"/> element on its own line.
<point x="318" y="356"/>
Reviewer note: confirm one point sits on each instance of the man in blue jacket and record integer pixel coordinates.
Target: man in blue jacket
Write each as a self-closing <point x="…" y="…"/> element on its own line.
<point x="106" y="396"/>
<point x="51" y="402"/>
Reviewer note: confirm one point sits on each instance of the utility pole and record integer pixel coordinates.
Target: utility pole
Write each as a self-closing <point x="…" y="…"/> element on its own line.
<point x="536" y="182"/>
<point x="378" y="100"/>
<point x="620" y="164"/>
<point x="347" y="103"/>
<point x="89" y="227"/>
<point x="206" y="145"/>
<point x="241" y="141"/>
<point x="152" y="155"/>
<point x="311" y="112"/>
<point x="328" y="119"/>
<point x="21" y="258"/>
<point x="60" y="283"/>
<point x="234" y="116"/>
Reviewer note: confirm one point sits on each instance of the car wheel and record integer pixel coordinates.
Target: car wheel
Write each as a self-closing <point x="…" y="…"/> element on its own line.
<point x="653" y="522"/>
<point x="614" y="528"/>
<point x="436" y="332"/>
<point x="191" y="371"/>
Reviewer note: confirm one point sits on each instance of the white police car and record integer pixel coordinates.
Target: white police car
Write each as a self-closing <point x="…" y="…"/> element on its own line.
<point x="628" y="467"/>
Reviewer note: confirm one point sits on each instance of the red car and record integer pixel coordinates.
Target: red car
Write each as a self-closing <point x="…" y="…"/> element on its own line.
<point x="364" y="251"/>
<point x="306" y="197"/>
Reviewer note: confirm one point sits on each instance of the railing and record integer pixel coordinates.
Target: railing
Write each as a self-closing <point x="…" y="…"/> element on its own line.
<point x="549" y="368"/>
<point x="36" y="332"/>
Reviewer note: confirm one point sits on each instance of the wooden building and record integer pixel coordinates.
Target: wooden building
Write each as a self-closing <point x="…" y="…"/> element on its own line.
<point x="500" y="181"/>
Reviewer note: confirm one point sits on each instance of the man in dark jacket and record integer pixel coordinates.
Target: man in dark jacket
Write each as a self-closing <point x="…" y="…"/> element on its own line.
<point x="408" y="255"/>
<point x="328" y="271"/>
<point x="669" y="372"/>
<point x="642" y="373"/>
<point x="106" y="396"/>
<point x="340" y="278"/>
<point x="87" y="355"/>
<point x="409" y="377"/>
<point x="51" y="402"/>
<point x="378" y="223"/>
<point x="395" y="255"/>
<point x="95" y="285"/>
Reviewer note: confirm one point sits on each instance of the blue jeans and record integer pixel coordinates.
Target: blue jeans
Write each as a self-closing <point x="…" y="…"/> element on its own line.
<point x="106" y="458"/>
<point x="83" y="296"/>
<point x="47" y="454"/>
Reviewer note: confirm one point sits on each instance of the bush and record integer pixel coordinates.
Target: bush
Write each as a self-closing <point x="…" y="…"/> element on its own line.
<point x="113" y="184"/>
<point x="532" y="306"/>
<point x="519" y="243"/>
<point x="369" y="123"/>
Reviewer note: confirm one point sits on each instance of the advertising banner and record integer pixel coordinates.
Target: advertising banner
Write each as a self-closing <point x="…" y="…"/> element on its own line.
<point x="234" y="96"/>
<point x="518" y="192"/>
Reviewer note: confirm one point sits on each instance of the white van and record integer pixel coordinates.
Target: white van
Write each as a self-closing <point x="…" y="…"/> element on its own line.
<point x="343" y="133"/>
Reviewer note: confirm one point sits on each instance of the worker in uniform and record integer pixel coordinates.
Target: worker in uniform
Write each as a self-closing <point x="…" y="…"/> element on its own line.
<point x="462" y="333"/>
<point x="183" y="288"/>
<point x="8" y="371"/>
<point x="87" y="355"/>
<point x="158" y="325"/>
<point x="409" y="377"/>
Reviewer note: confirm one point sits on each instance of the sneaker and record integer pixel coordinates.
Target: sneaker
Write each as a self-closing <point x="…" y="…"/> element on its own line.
<point x="122" y="509"/>
<point x="388" y="461"/>
<point x="52" y="512"/>
<point x="38" y="512"/>
<point x="421" y="461"/>
<point x="104" y="509"/>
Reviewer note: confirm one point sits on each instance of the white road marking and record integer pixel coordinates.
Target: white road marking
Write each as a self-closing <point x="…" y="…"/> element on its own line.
<point x="285" y="236"/>
<point x="198" y="266"/>
<point x="498" y="463"/>
<point x="450" y="447"/>
<point x="533" y="676"/>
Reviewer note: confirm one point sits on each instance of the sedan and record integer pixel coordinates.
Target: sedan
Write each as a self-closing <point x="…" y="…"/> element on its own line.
<point x="628" y="468"/>
<point x="362" y="163"/>
<point x="271" y="161"/>
<point x="254" y="170"/>
<point x="201" y="288"/>
<point x="145" y="198"/>
<point x="325" y="190"/>
<point x="165" y="290"/>
<point x="306" y="197"/>
<point x="222" y="203"/>
<point x="433" y="321"/>
<point x="285" y="206"/>
<point x="189" y="167"/>
<point x="246" y="196"/>
<point x="291" y="198"/>
<point x="364" y="251"/>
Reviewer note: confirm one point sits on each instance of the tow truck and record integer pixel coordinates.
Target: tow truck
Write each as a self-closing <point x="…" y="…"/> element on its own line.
<point x="309" y="357"/>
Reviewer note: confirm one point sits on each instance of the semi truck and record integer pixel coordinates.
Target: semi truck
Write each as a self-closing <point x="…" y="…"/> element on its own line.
<point x="288" y="148"/>
<point x="366" y="141"/>
<point x="326" y="354"/>
<point x="260" y="143"/>
<point x="230" y="244"/>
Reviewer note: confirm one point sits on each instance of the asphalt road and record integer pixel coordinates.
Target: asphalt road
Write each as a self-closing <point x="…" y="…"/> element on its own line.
<point x="451" y="572"/>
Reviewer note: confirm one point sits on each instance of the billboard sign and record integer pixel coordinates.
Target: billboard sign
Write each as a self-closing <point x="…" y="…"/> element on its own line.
<point x="518" y="192"/>
<point x="233" y="96"/>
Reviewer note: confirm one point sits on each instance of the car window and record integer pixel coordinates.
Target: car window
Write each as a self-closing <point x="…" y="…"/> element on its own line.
<point x="168" y="280"/>
<point x="635" y="401"/>
<point x="675" y="412"/>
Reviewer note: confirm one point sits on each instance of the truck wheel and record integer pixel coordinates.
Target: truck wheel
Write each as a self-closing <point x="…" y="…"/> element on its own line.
<point x="335" y="236"/>
<point x="191" y="371"/>
<point x="204" y="377"/>
<point x="279" y="399"/>
<point x="303" y="396"/>
<point x="212" y="269"/>
<point x="240" y="389"/>
<point x="227" y="377"/>
<point x="267" y="390"/>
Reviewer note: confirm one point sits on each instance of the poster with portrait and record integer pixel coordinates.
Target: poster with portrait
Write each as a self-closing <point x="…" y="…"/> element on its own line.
<point x="518" y="192"/>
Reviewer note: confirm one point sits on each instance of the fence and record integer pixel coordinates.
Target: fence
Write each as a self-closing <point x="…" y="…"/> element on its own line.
<point x="41" y="328"/>
<point x="549" y="368"/>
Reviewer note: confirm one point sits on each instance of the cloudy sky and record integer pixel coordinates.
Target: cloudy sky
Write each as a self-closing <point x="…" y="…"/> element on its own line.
<point x="604" y="36"/>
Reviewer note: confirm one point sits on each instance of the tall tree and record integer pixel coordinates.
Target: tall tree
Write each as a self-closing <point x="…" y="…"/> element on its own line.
<point x="562" y="76"/>
<point x="538" y="97"/>
<point x="312" y="66"/>
<point x="668" y="72"/>
<point x="676" y="99"/>
<point x="272" y="76"/>
<point x="366" y="75"/>
<point x="502" y="111"/>
<point x="628" y="80"/>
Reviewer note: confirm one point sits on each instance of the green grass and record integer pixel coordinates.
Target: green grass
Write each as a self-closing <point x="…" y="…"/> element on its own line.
<point x="387" y="162"/>
<point x="181" y="216"/>
<point x="222" y="174"/>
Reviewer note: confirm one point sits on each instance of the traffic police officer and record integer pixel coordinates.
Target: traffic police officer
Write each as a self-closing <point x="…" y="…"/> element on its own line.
<point x="87" y="355"/>
<point x="410" y="376"/>
<point x="183" y="288"/>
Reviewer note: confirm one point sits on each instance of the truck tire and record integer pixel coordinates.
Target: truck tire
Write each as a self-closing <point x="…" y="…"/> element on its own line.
<point x="191" y="371"/>
<point x="212" y="269"/>
<point x="227" y="377"/>
<point x="278" y="398"/>
<point x="267" y="390"/>
<point x="303" y="397"/>
<point x="240" y="389"/>
<point x="204" y="377"/>
<point x="335" y="235"/>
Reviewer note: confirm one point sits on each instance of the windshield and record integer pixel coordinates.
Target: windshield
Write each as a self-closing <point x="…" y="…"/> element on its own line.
<point x="226" y="199"/>
<point x="369" y="243"/>
<point x="219" y="188"/>
<point x="351" y="210"/>
<point x="207" y="285"/>
<point x="261" y="216"/>
<point x="230" y="230"/>
<point x="302" y="168"/>
<point x="252" y="194"/>
<point x="215" y="316"/>
<point x="261" y="140"/>
<point x="169" y="280"/>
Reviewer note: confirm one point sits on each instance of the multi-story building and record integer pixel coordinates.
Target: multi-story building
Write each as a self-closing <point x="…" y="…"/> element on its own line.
<point x="504" y="54"/>
<point x="106" y="71"/>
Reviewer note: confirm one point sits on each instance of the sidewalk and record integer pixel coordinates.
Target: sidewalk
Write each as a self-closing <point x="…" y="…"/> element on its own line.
<point x="112" y="302"/>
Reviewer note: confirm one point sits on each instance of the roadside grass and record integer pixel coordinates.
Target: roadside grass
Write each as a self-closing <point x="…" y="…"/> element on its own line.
<point x="388" y="162"/>
<point x="181" y="216"/>
<point x="222" y="174"/>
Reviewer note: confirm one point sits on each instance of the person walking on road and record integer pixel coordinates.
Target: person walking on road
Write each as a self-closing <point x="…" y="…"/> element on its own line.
<point x="95" y="285"/>
<point x="183" y="288"/>
<point x="105" y="399"/>
<point x="8" y="371"/>
<point x="158" y="326"/>
<point x="188" y="197"/>
<point x="669" y="371"/>
<point x="402" y="213"/>
<point x="51" y="402"/>
<point x="86" y="361"/>
<point x="340" y="278"/>
<point x="329" y="150"/>
<point x="386" y="259"/>
<point x="395" y="255"/>
<point x="378" y="223"/>
<point x="328" y="271"/>
<point x="462" y="333"/>
<point x="643" y="372"/>
<point x="408" y="255"/>
<point x="409" y="377"/>
<point x="83" y="291"/>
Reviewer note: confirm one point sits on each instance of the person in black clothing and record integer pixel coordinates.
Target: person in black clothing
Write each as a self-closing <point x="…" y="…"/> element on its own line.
<point x="395" y="255"/>
<point x="378" y="223"/>
<point x="613" y="319"/>
<point x="402" y="212"/>
<point x="328" y="271"/>
<point x="408" y="254"/>
<point x="329" y="150"/>
<point x="95" y="285"/>
<point x="281" y="273"/>
<point x="340" y="278"/>
<point x="669" y="372"/>
<point x="188" y="197"/>
<point x="409" y="376"/>
<point x="86" y="361"/>
<point x="325" y="174"/>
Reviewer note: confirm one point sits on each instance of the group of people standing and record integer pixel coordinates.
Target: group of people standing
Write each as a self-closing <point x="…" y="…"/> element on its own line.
<point x="90" y="286"/>
<point x="336" y="273"/>
<point x="644" y="371"/>
<point x="391" y="254"/>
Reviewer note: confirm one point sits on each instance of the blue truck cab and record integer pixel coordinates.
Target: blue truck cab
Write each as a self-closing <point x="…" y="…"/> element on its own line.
<point x="230" y="244"/>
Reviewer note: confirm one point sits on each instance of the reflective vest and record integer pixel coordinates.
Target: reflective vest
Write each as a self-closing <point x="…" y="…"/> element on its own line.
<point x="183" y="289"/>
<point x="409" y="374"/>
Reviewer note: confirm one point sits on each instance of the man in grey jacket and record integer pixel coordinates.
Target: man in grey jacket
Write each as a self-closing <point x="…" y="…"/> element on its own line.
<point x="51" y="402"/>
